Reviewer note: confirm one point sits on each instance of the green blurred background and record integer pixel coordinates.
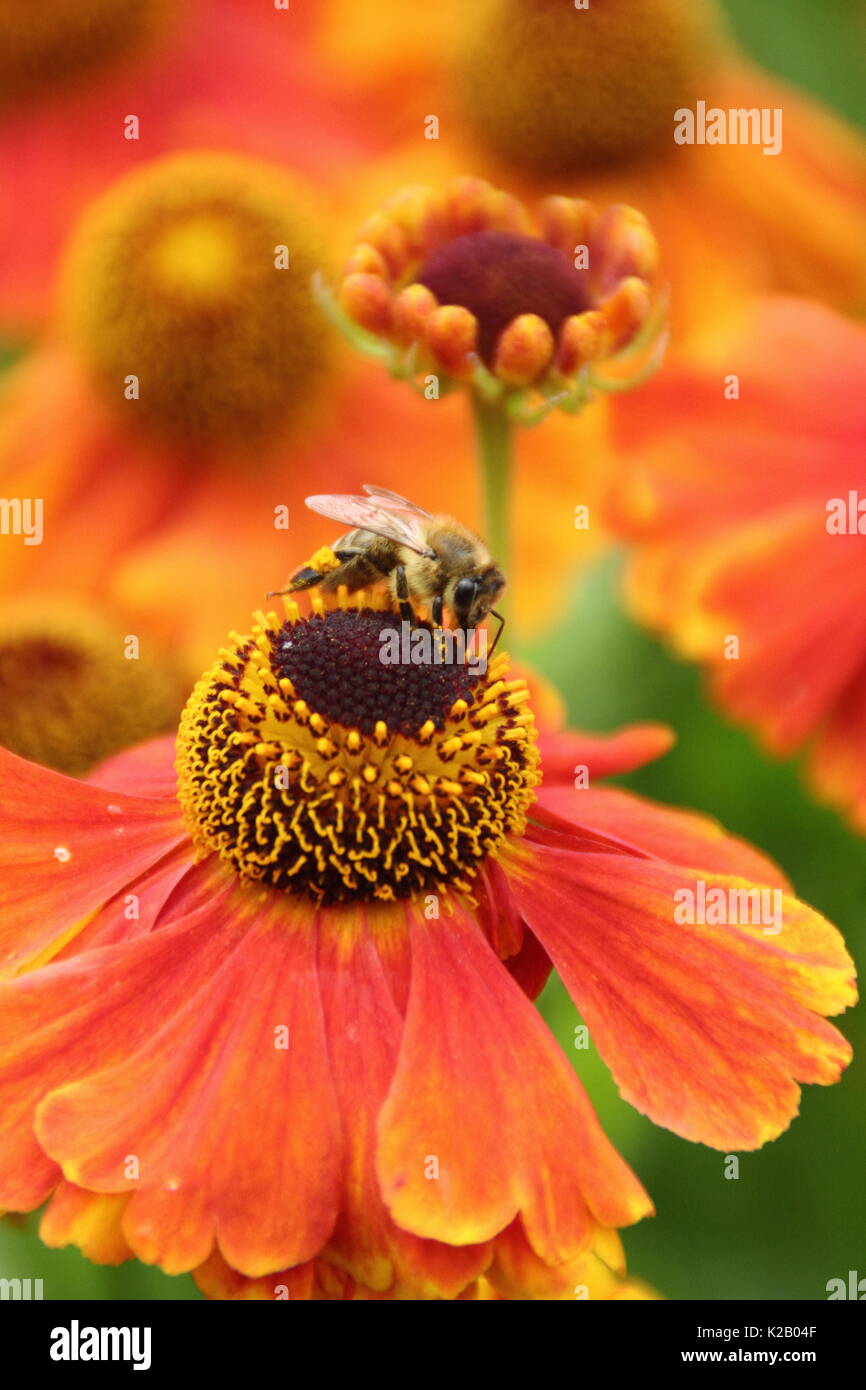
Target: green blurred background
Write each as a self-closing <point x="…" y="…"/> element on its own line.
<point x="796" y="1217"/>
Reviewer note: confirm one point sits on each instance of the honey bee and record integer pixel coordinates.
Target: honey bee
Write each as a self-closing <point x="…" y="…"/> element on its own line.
<point x="433" y="559"/>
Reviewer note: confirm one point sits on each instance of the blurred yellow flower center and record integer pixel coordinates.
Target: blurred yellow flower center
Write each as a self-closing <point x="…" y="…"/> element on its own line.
<point x="553" y="89"/>
<point x="73" y="689"/>
<point x="187" y="291"/>
<point x="310" y="763"/>
<point x="198" y="256"/>
<point x="46" y="45"/>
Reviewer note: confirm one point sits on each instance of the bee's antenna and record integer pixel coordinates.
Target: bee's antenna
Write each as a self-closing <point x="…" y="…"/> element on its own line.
<point x="501" y="621"/>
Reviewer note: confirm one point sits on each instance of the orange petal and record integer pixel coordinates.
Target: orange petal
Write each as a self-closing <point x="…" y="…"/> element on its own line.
<point x="216" y="1279"/>
<point x="796" y="599"/>
<point x="364" y="1029"/>
<point x="165" y="892"/>
<point x="680" y="837"/>
<point x="728" y="501"/>
<point x="77" y="1017"/>
<point x="518" y="1274"/>
<point x="497" y="1113"/>
<point x="237" y="1136"/>
<point x="146" y="770"/>
<point x="603" y="755"/>
<point x="92" y="1221"/>
<point x="707" y="1029"/>
<point x="54" y="865"/>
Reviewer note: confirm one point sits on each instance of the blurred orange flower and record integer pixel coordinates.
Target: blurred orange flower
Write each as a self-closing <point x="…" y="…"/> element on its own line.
<point x="742" y="480"/>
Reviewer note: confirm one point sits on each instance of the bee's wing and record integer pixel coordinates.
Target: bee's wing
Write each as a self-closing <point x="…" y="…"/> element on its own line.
<point x="362" y="514"/>
<point x="393" y="499"/>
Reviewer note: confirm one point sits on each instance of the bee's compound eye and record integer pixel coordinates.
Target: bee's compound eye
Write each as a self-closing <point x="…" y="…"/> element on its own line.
<point x="464" y="593"/>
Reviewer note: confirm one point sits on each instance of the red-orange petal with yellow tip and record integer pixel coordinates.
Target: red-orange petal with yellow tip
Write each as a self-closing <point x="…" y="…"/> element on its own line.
<point x="251" y="1156"/>
<point x="364" y="1028"/>
<point x="529" y="1144"/>
<point x="78" y="1017"/>
<point x="706" y="1029"/>
<point x="89" y="1220"/>
<point x="216" y="1279"/>
<point x="55" y="871"/>
<point x="517" y="1274"/>
<point x="598" y="1274"/>
<point x="708" y="461"/>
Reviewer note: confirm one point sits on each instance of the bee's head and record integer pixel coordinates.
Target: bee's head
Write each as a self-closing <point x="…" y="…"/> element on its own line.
<point x="474" y="595"/>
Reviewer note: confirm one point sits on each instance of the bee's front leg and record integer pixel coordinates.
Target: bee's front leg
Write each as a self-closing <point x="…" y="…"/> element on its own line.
<point x="401" y="585"/>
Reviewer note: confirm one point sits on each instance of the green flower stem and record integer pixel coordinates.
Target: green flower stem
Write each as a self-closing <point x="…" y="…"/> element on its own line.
<point x="494" y="449"/>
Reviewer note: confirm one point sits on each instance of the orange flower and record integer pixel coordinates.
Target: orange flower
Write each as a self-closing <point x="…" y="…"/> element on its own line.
<point x="75" y="75"/>
<point x="744" y="499"/>
<point x="461" y="281"/>
<point x="549" y="97"/>
<point x="283" y="1013"/>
